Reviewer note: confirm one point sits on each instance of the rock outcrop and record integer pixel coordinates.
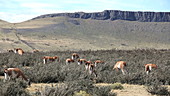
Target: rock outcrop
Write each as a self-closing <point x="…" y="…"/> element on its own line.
<point x="117" y="15"/>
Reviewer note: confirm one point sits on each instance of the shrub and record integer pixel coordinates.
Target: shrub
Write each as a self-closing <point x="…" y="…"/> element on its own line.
<point x="59" y="90"/>
<point x="101" y="91"/>
<point x="13" y="88"/>
<point x="116" y="86"/>
<point x="53" y="72"/>
<point x="157" y="89"/>
<point x="77" y="88"/>
<point x="66" y="89"/>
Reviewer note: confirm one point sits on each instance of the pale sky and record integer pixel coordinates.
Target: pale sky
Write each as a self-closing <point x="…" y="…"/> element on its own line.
<point x="21" y="10"/>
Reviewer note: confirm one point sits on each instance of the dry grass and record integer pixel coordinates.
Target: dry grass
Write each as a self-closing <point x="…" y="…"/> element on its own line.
<point x="39" y="86"/>
<point x="89" y="35"/>
<point x="36" y="23"/>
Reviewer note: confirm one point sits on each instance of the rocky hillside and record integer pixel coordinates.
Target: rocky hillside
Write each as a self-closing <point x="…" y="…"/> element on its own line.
<point x="117" y="15"/>
<point x="89" y="31"/>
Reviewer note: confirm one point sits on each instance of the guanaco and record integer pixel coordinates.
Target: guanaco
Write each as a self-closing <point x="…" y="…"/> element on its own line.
<point x="19" y="51"/>
<point x="14" y="73"/>
<point x="52" y="59"/>
<point x="148" y="67"/>
<point x="74" y="56"/>
<point x="81" y="61"/>
<point x="68" y="61"/>
<point x="97" y="62"/>
<point x="120" y="65"/>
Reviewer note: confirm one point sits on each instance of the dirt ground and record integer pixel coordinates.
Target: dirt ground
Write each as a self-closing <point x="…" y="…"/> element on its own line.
<point x="132" y="90"/>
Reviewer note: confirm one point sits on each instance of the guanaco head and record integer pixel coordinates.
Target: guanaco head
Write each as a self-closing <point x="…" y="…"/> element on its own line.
<point x="5" y="70"/>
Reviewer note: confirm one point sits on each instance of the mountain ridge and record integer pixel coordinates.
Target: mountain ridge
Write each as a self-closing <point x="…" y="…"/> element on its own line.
<point x="116" y="15"/>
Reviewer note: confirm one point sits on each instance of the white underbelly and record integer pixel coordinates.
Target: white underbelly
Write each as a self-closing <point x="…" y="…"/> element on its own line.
<point x="118" y="66"/>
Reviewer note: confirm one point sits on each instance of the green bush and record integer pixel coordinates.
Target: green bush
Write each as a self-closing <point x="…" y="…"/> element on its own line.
<point x="54" y="72"/>
<point x="157" y="89"/>
<point x="61" y="90"/>
<point x="116" y="86"/>
<point x="77" y="88"/>
<point x="101" y="91"/>
<point x="13" y="88"/>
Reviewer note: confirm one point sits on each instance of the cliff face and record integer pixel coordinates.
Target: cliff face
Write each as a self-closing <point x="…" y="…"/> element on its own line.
<point x="117" y="15"/>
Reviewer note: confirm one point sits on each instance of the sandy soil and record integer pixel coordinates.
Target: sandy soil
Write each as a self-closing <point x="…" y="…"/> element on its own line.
<point x="132" y="90"/>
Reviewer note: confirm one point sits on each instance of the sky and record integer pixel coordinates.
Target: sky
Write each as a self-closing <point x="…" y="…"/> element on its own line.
<point x="15" y="11"/>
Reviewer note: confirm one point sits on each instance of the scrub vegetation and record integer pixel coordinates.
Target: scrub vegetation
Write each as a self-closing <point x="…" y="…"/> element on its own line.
<point x="76" y="80"/>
